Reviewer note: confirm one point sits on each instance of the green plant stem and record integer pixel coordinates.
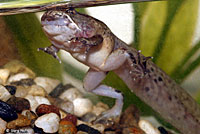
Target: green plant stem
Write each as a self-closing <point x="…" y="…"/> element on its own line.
<point x="172" y="8"/>
<point x="136" y="26"/>
<point x="182" y="75"/>
<point x="180" y="67"/>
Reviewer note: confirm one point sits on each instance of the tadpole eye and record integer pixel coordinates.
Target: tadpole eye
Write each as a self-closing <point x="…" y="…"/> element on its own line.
<point x="71" y="10"/>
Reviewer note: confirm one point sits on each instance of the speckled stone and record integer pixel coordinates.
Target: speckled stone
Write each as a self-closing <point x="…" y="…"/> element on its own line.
<point x="19" y="104"/>
<point x="47" y="83"/>
<point x="21" y="121"/>
<point x="82" y="106"/>
<point x="2" y="126"/>
<point x="66" y="127"/>
<point x="7" y="112"/>
<point x="4" y="94"/>
<point x="48" y="122"/>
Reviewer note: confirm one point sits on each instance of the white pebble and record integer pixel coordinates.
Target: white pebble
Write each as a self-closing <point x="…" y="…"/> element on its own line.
<point x="47" y="83"/>
<point x="42" y="100"/>
<point x="18" y="77"/>
<point x="16" y="66"/>
<point x="48" y="122"/>
<point x="2" y="126"/>
<point x="36" y="90"/>
<point x="4" y="94"/>
<point x="147" y="127"/>
<point x="99" y="108"/>
<point x="4" y="73"/>
<point x="70" y="94"/>
<point x="82" y="106"/>
<point x="35" y="101"/>
<point x="67" y="106"/>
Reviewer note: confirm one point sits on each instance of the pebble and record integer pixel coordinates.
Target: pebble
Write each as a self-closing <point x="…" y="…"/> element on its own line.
<point x="2" y="126"/>
<point x="1" y="81"/>
<point x="17" y="77"/>
<point x="19" y="104"/>
<point x="99" y="127"/>
<point x="66" y="127"/>
<point x="67" y="106"/>
<point x="21" y="121"/>
<point x="21" y="91"/>
<point x="35" y="101"/>
<point x="59" y="89"/>
<point x="36" y="90"/>
<point x="88" y="129"/>
<point x="48" y="122"/>
<point x="16" y="66"/>
<point x="147" y="127"/>
<point x="7" y="112"/>
<point x="11" y="89"/>
<point x="4" y="74"/>
<point x="45" y="109"/>
<point x="47" y="83"/>
<point x="162" y="130"/>
<point x="82" y="106"/>
<point x="24" y="82"/>
<point x="130" y="117"/>
<point x="72" y="118"/>
<point x="133" y="130"/>
<point x="29" y="114"/>
<point x="70" y="94"/>
<point x="99" y="108"/>
<point x="89" y="117"/>
<point x="4" y="94"/>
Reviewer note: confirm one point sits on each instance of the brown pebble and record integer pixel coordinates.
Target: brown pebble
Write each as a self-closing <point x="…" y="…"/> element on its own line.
<point x="19" y="104"/>
<point x="130" y="117"/>
<point x="21" y="121"/>
<point x="45" y="109"/>
<point x="72" y="118"/>
<point x="66" y="127"/>
<point x="132" y="130"/>
<point x="29" y="114"/>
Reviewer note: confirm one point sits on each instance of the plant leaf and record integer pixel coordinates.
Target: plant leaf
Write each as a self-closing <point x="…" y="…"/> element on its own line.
<point x="139" y="10"/>
<point x="151" y="26"/>
<point x="179" y="38"/>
